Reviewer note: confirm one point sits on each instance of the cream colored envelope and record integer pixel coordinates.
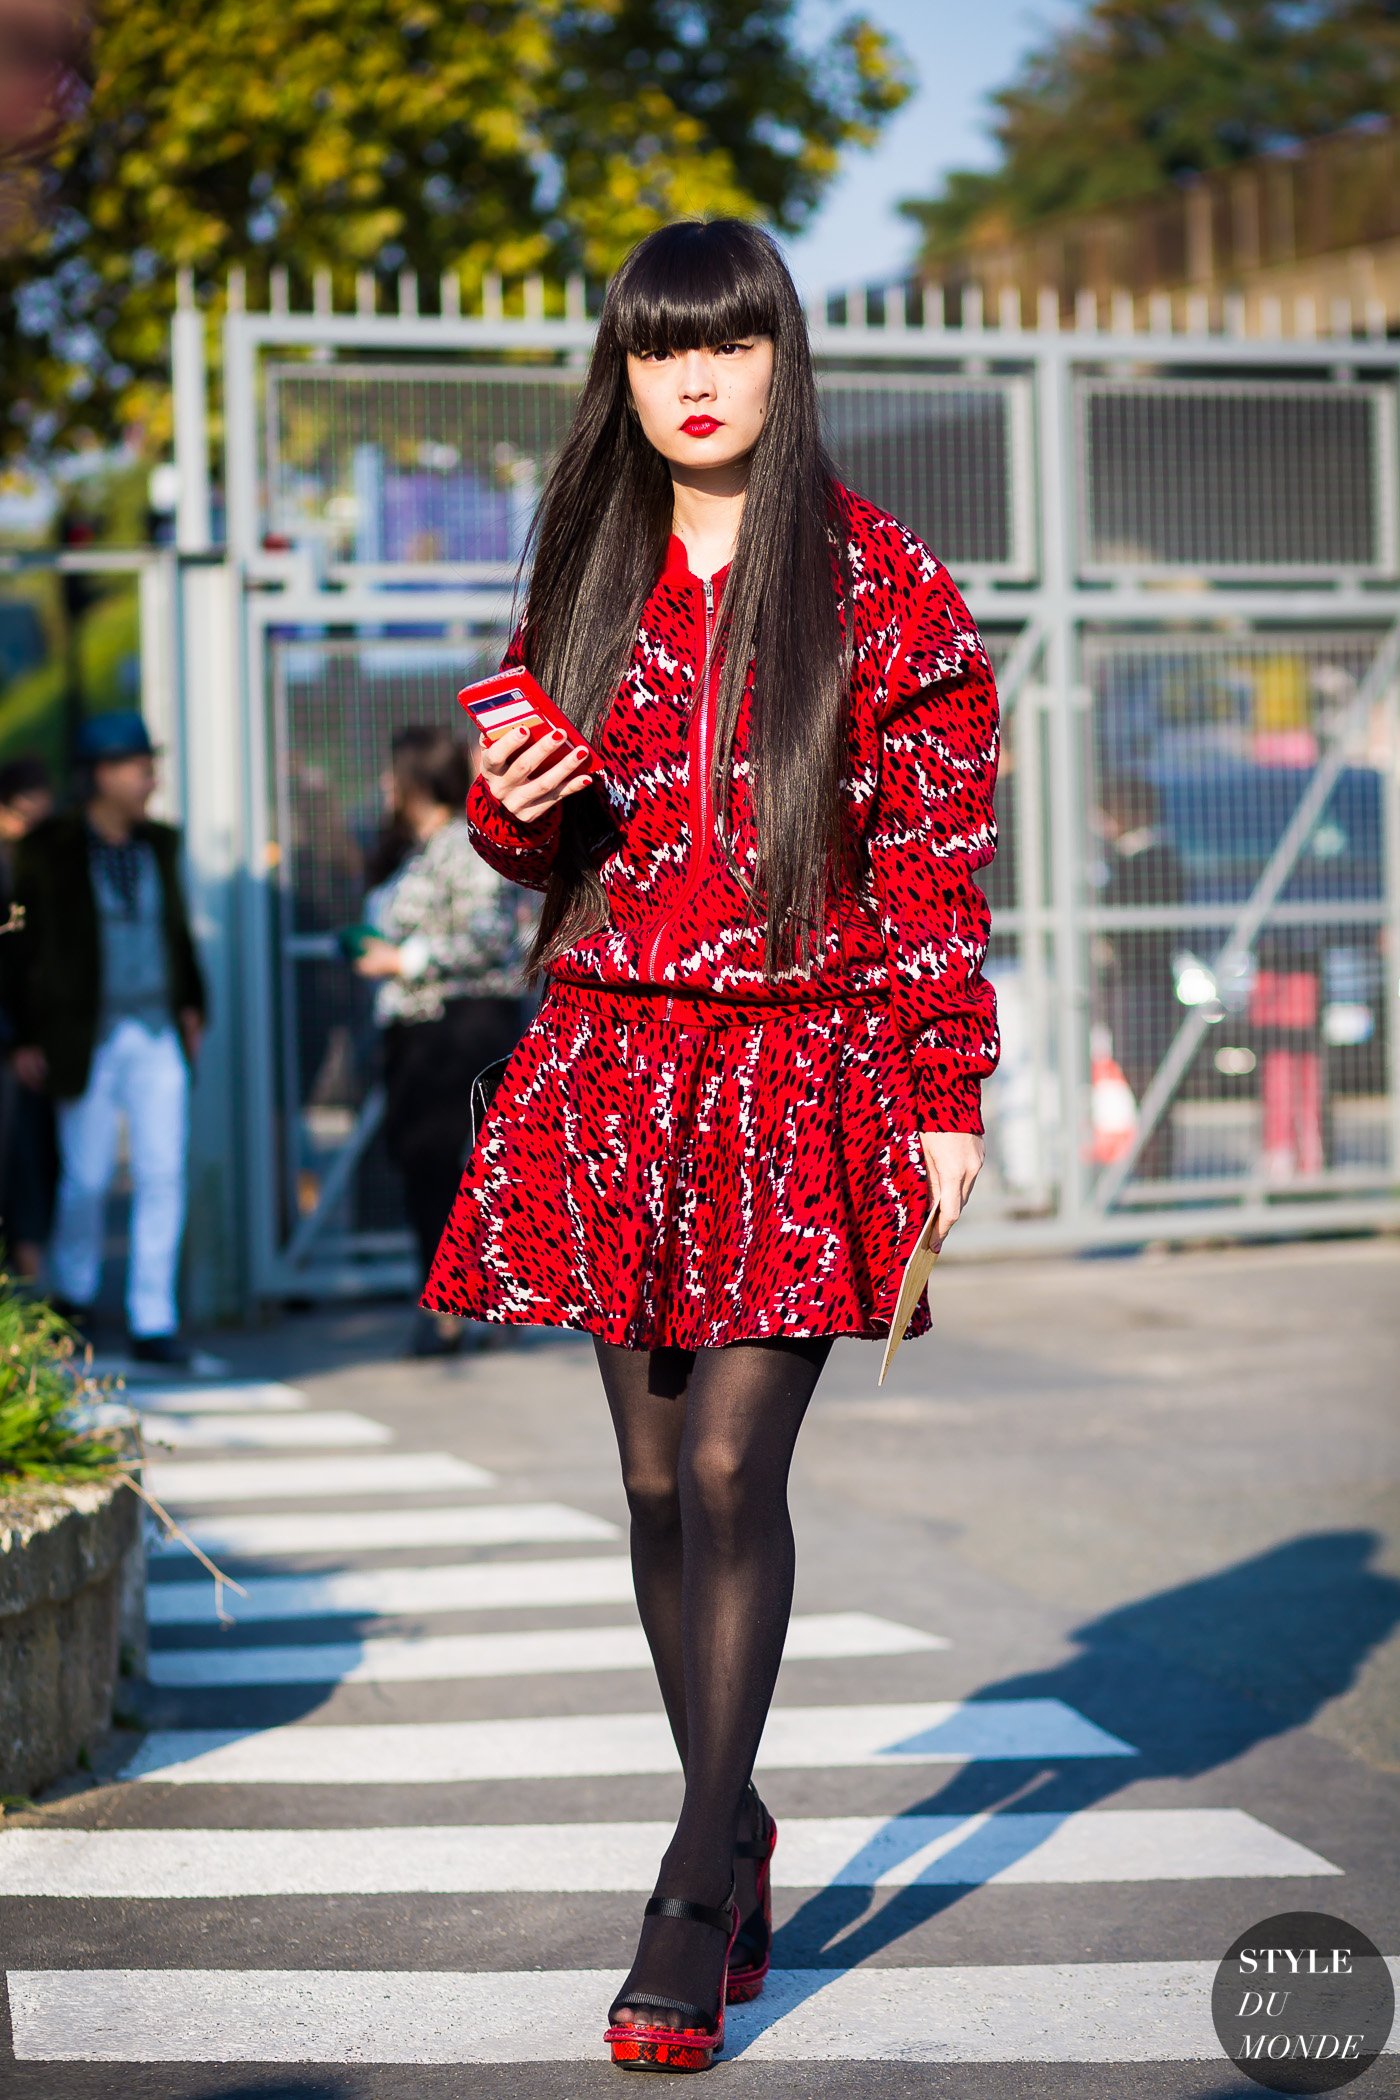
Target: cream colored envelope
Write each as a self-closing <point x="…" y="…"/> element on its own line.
<point x="916" y="1274"/>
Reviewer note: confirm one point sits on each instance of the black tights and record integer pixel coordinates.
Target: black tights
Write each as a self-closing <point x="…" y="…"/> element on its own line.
<point x="706" y="1439"/>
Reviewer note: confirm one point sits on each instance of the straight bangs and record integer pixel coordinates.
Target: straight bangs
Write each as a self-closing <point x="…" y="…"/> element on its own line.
<point x="697" y="284"/>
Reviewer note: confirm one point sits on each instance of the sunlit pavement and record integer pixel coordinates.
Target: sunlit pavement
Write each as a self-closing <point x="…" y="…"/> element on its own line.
<point x="1094" y="1664"/>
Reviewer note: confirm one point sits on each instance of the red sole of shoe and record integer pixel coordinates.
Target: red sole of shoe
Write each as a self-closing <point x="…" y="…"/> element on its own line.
<point x="746" y="1985"/>
<point x="653" y="2050"/>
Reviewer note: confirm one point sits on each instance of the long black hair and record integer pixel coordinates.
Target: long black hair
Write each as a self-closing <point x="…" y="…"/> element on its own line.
<point x="428" y="762"/>
<point x="599" y="540"/>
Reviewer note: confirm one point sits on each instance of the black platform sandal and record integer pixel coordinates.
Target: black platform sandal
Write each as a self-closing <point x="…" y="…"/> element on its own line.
<point x="753" y="1950"/>
<point x="639" y="2046"/>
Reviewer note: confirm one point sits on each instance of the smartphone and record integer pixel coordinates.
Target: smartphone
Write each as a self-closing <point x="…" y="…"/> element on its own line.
<point x="513" y="699"/>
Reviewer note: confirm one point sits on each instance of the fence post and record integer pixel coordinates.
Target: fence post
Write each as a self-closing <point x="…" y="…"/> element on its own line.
<point x="209" y="655"/>
<point x="190" y="386"/>
<point x="1059" y="538"/>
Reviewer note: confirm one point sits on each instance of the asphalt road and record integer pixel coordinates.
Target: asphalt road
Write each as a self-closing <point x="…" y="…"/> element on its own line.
<point x="1095" y="1663"/>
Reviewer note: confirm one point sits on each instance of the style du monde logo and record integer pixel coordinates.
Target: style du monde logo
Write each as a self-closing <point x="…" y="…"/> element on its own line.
<point x="1303" y="2003"/>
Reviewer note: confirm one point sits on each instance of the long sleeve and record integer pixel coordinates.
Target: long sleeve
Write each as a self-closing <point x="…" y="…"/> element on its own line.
<point x="931" y="829"/>
<point x="190" y="986"/>
<point x="470" y="926"/>
<point x="523" y="853"/>
<point x="21" y="948"/>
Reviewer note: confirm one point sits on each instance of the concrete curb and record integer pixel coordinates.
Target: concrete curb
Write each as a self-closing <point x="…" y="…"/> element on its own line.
<point x="71" y="1594"/>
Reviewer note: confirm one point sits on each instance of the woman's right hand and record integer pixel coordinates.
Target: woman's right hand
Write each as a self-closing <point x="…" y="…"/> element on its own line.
<point x="529" y="778"/>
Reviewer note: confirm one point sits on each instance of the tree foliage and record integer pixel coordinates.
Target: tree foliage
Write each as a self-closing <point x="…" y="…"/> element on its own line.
<point x="429" y="135"/>
<point x="1140" y="93"/>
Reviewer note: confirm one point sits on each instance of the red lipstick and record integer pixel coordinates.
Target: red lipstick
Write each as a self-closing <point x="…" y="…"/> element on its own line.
<point x="701" y="426"/>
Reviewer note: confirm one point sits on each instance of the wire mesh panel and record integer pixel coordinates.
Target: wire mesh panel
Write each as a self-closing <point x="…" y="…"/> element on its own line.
<point x="948" y="455"/>
<point x="1203" y="749"/>
<point x="1265" y="478"/>
<point x="411" y="465"/>
<point x="400" y="466"/>
<point x="1020" y="1105"/>
<point x="1159" y="744"/>
<point x="334" y="706"/>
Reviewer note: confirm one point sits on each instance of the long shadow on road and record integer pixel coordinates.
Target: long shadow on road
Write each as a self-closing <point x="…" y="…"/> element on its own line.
<point x="1192" y="1678"/>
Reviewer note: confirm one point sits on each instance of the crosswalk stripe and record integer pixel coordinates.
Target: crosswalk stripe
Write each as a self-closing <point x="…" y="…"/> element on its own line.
<point x="569" y="1746"/>
<point x="1109" y="1845"/>
<point x="425" y="1658"/>
<point x="333" y="1429"/>
<point x="181" y="1483"/>
<point x="229" y="1397"/>
<point x="1053" y="2012"/>
<point x="244" y="1397"/>
<point x="287" y="1533"/>
<point x="485" y="1586"/>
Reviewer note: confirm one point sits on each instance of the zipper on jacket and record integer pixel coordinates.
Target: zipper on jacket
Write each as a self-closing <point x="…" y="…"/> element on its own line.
<point x="699" y="784"/>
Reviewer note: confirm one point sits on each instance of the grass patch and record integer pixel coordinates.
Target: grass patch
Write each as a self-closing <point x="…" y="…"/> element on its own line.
<point x="47" y="1395"/>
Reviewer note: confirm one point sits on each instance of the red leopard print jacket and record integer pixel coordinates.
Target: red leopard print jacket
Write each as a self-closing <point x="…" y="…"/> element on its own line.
<point x="917" y="799"/>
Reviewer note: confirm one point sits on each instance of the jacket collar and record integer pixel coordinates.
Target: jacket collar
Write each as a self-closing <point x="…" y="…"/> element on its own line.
<point x="677" y="566"/>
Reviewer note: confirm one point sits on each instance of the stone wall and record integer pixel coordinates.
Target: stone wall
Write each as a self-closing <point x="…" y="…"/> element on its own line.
<point x="70" y="1597"/>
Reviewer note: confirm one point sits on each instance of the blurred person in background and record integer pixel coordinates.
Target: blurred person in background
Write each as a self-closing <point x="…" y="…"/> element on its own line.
<point x="108" y="1004"/>
<point x="28" y="1140"/>
<point x="1138" y="866"/>
<point x="448" y="961"/>
<point x="26" y="798"/>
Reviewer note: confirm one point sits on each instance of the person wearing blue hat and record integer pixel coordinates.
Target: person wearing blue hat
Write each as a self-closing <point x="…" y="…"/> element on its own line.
<point x="108" y="1002"/>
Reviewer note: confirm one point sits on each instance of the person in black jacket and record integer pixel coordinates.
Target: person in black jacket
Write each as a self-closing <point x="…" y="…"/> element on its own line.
<point x="108" y="1004"/>
<point x="28" y="1140"/>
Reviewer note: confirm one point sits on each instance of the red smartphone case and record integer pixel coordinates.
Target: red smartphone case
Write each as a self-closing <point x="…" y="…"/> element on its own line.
<point x="514" y="698"/>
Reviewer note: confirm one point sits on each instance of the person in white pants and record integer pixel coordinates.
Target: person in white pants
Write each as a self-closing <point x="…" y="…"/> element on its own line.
<point x="109" y="1010"/>
<point x="141" y="1074"/>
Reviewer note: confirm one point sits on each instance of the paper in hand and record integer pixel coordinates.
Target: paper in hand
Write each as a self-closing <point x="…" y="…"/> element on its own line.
<point x="916" y="1274"/>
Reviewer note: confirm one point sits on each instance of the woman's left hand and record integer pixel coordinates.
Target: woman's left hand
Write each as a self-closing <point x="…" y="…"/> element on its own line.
<point x="954" y="1161"/>
<point x="379" y="959"/>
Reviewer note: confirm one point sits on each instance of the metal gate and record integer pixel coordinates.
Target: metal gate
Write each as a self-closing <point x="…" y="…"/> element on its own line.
<point x="1185" y="553"/>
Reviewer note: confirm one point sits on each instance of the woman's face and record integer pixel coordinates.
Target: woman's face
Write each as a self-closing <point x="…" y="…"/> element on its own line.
<point x="704" y="408"/>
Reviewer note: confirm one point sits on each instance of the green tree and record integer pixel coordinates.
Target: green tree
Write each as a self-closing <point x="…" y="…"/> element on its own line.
<point x="1140" y="93"/>
<point x="429" y="135"/>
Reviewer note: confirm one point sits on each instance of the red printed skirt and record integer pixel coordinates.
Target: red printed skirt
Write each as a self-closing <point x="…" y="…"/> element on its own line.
<point x="678" y="1170"/>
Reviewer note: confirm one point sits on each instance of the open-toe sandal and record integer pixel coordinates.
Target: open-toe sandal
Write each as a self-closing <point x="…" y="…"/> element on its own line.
<point x="639" y="2046"/>
<point x="752" y="1951"/>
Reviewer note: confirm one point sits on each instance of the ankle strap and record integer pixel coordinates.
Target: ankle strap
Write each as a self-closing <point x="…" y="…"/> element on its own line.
<point x="700" y="1913"/>
<point x="756" y="1848"/>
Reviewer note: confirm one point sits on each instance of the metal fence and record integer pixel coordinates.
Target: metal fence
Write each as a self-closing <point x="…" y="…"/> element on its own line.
<point x="1185" y="552"/>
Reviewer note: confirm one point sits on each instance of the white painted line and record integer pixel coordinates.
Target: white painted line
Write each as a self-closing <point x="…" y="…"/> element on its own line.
<point x="503" y="1585"/>
<point x="180" y="1483"/>
<point x="251" y="1396"/>
<point x="285" y="1533"/>
<point x="332" y="1430"/>
<point x="1112" y="1845"/>
<point x="1037" y="2013"/>
<point x="571" y="1746"/>
<point x="425" y="1658"/>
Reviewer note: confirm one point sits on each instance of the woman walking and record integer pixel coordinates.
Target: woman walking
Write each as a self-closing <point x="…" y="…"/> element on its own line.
<point x="759" y="1055"/>
<point x="449" y="977"/>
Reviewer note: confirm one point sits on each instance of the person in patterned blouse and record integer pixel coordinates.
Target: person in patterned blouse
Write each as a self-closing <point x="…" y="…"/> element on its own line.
<point x="448" y="986"/>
